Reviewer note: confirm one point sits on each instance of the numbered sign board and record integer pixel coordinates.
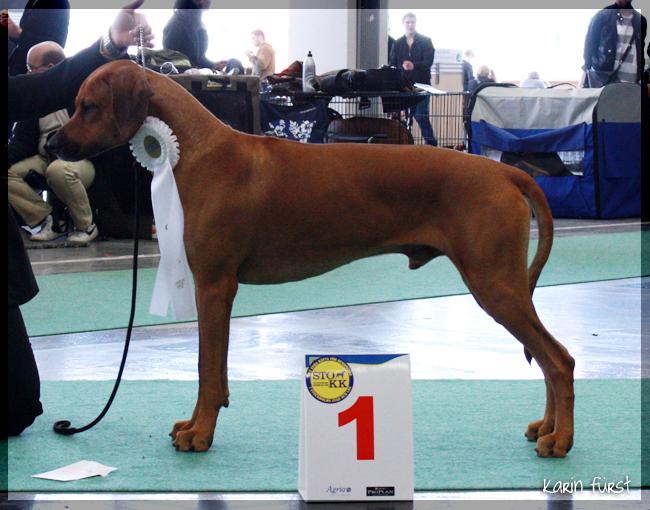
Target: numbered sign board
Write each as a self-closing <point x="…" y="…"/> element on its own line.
<point x="356" y="428"/>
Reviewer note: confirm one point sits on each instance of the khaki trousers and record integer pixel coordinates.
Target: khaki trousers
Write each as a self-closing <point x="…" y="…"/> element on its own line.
<point x="68" y="180"/>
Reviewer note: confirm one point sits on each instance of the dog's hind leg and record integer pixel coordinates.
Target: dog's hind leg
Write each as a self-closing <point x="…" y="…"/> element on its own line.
<point x="546" y="425"/>
<point x="495" y="271"/>
<point x="214" y="302"/>
<point x="514" y="310"/>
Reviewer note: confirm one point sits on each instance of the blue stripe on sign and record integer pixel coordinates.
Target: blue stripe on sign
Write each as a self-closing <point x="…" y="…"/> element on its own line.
<point x="359" y="359"/>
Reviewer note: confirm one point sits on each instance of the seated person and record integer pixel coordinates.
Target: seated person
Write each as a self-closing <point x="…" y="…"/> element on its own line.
<point x="264" y="60"/>
<point x="186" y="32"/>
<point x="69" y="181"/>
<point x="532" y="81"/>
<point x="483" y="75"/>
<point x="230" y="66"/>
<point x="42" y="20"/>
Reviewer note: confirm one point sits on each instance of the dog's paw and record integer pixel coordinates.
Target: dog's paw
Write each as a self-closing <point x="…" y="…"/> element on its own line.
<point x="192" y="441"/>
<point x="538" y="429"/>
<point x="180" y="425"/>
<point x="554" y="445"/>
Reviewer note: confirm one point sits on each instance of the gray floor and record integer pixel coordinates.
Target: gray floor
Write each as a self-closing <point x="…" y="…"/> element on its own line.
<point x="447" y="337"/>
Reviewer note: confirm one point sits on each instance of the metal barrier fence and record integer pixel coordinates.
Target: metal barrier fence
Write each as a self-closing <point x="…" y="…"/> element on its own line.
<point x="446" y="115"/>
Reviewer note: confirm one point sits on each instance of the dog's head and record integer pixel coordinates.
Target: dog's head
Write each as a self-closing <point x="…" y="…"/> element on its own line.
<point x="111" y="106"/>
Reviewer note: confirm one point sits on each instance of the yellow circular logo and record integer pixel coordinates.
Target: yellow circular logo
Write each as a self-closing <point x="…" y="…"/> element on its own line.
<point x="329" y="379"/>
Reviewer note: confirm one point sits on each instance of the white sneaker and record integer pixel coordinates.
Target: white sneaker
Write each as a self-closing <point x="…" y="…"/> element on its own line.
<point x="47" y="233"/>
<point x="83" y="236"/>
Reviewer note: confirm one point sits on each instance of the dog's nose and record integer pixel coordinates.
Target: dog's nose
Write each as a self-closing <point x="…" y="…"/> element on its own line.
<point x="62" y="147"/>
<point x="54" y="143"/>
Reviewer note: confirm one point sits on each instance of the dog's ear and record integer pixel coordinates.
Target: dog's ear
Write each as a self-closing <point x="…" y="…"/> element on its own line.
<point x="131" y="92"/>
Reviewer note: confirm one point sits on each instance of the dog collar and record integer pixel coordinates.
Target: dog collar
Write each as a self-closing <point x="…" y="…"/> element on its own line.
<point x="154" y="143"/>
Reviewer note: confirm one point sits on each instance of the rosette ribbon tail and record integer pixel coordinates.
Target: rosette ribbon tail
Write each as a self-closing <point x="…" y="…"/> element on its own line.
<point x="173" y="286"/>
<point x="155" y="147"/>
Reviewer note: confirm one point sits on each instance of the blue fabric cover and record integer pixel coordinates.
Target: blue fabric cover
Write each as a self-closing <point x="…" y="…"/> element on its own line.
<point x="610" y="186"/>
<point x="304" y="123"/>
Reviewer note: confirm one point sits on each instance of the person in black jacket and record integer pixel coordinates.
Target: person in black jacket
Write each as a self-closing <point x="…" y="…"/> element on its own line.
<point x="414" y="54"/>
<point x="26" y="99"/>
<point x="614" y="45"/>
<point x="42" y="20"/>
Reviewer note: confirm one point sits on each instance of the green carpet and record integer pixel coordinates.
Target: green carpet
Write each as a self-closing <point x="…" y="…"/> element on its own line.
<point x="78" y="302"/>
<point x="468" y="435"/>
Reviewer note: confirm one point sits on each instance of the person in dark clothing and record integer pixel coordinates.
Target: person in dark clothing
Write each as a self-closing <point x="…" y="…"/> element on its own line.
<point x="468" y="70"/>
<point x="414" y="54"/>
<point x="482" y="76"/>
<point x="26" y="99"/>
<point x="185" y="32"/>
<point x="614" y="46"/>
<point x="42" y="20"/>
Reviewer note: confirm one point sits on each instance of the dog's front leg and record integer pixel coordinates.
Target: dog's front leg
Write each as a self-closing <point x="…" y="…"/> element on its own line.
<point x="214" y="301"/>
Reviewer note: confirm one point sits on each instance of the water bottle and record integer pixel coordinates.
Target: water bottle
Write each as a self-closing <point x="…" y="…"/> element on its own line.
<point x="308" y="74"/>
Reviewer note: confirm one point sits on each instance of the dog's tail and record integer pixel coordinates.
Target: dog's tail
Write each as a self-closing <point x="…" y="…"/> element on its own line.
<point x="531" y="190"/>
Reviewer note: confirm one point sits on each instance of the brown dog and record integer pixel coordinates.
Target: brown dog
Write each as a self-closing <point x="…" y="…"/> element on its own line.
<point x="369" y="130"/>
<point x="263" y="210"/>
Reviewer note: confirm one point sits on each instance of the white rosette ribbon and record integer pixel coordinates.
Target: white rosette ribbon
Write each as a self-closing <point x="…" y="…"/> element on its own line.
<point x="155" y="147"/>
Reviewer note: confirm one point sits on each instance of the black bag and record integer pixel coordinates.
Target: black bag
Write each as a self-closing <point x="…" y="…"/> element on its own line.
<point x="342" y="82"/>
<point x="384" y="79"/>
<point x="598" y="79"/>
<point x="387" y="79"/>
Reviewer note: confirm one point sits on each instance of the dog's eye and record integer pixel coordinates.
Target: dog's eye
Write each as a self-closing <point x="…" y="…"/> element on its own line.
<point x="86" y="108"/>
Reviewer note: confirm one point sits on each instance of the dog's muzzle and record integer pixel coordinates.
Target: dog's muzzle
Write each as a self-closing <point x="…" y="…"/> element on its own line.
<point x="64" y="148"/>
<point x="68" y="150"/>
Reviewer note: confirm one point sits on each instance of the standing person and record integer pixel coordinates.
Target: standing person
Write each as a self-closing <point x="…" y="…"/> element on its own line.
<point x="42" y="20"/>
<point x="391" y="40"/>
<point x="468" y="70"/>
<point x="614" y="46"/>
<point x="414" y="53"/>
<point x="25" y="100"/>
<point x="264" y="61"/>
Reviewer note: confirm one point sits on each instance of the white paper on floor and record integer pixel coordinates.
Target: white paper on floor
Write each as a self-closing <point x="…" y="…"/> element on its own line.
<point x="77" y="471"/>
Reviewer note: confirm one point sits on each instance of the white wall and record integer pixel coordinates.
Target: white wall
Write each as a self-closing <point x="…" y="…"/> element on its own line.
<point x="329" y="33"/>
<point x="327" y="28"/>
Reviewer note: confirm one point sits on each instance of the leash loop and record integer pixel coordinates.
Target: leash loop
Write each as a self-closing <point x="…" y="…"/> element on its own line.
<point x="63" y="426"/>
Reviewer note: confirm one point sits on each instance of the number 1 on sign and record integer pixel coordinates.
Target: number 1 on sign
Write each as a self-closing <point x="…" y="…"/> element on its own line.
<point x="363" y="412"/>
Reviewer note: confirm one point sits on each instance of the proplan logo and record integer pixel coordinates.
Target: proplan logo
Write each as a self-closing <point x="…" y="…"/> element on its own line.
<point x="380" y="491"/>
